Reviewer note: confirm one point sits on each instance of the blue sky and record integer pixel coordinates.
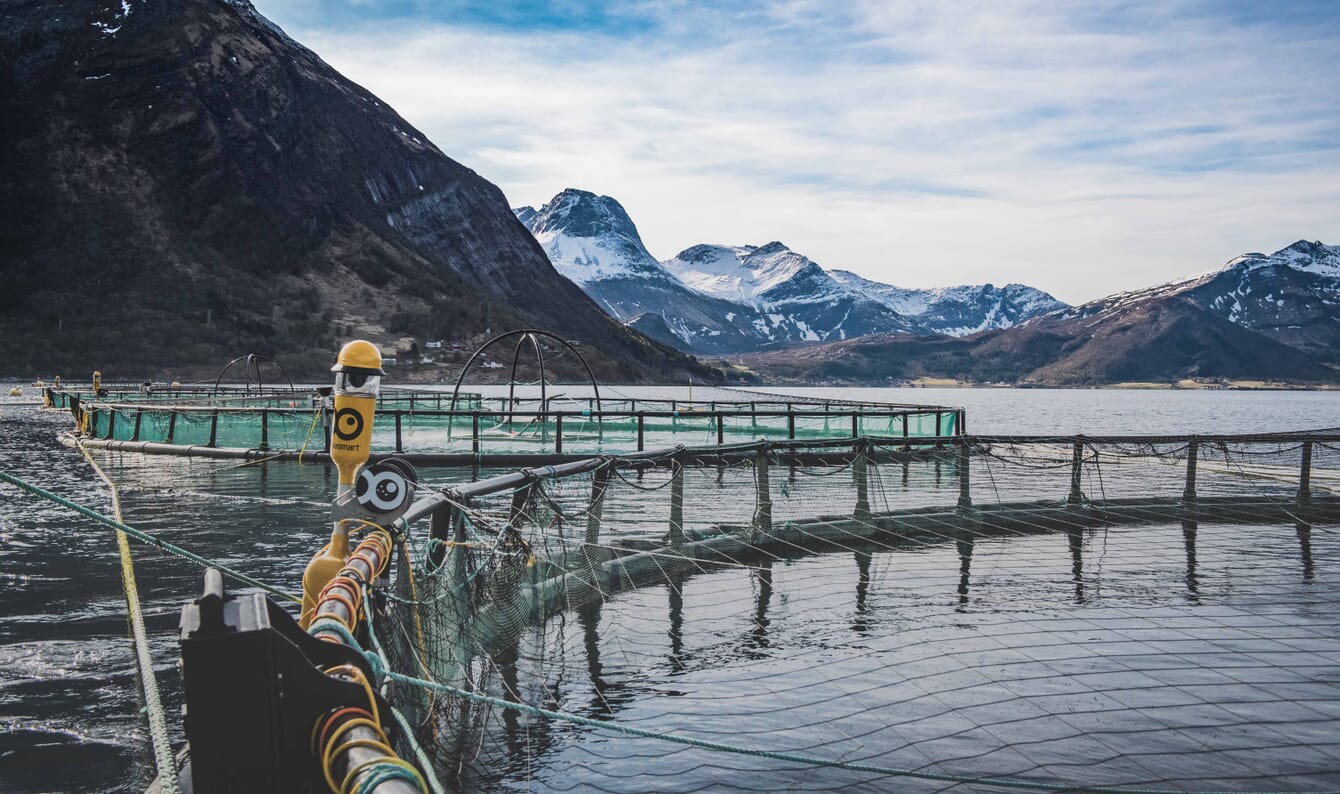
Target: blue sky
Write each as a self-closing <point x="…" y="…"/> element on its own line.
<point x="1084" y="148"/>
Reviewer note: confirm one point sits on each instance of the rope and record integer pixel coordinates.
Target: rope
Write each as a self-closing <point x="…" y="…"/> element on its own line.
<point x="145" y="537"/>
<point x="316" y="414"/>
<point x="158" y="734"/>
<point x="406" y="729"/>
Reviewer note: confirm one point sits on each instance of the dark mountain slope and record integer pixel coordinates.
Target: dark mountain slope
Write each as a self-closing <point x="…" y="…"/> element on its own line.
<point x="181" y="182"/>
<point x="1292" y="295"/>
<point x="1154" y="341"/>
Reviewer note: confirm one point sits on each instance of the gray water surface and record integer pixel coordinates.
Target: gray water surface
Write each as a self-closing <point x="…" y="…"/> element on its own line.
<point x="729" y="662"/>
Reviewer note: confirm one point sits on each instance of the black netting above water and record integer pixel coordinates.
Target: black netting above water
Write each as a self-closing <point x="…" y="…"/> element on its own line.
<point x="1048" y="614"/>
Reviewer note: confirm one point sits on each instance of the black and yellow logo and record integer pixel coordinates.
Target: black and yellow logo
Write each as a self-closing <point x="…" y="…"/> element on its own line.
<point x="348" y="424"/>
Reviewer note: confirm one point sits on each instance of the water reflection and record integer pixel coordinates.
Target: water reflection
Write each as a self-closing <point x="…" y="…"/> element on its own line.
<point x="506" y="663"/>
<point x="677" y="660"/>
<point x="1305" y="547"/>
<point x="758" y="632"/>
<point x="588" y="617"/>
<point x="1075" y="538"/>
<point x="966" y="539"/>
<point x="861" y="625"/>
<point x="1189" y="529"/>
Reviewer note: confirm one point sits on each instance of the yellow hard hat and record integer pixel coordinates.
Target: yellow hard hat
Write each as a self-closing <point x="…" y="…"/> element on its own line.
<point x="359" y="356"/>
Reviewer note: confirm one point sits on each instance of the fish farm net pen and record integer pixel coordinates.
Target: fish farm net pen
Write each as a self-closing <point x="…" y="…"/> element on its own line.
<point x="984" y="613"/>
<point x="1030" y="613"/>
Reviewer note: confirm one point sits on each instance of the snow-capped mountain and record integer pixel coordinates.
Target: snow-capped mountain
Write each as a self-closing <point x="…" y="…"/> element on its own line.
<point x="748" y="274"/>
<point x="591" y="240"/>
<point x="957" y="311"/>
<point x="719" y="298"/>
<point x="1292" y="296"/>
<point x="801" y="301"/>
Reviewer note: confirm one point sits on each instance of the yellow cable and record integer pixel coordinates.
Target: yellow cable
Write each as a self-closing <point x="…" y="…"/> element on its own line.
<point x="358" y="676"/>
<point x="414" y="596"/>
<point x="316" y="414"/>
<point x="163" y="757"/>
<point x="328" y="757"/>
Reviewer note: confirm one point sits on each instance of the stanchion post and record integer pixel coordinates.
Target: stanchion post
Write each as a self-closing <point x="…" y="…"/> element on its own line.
<point x="964" y="475"/>
<point x="1305" y="476"/>
<point x="677" y="503"/>
<point x="1189" y="493"/>
<point x="860" y="469"/>
<point x="763" y="513"/>
<point x="1076" y="497"/>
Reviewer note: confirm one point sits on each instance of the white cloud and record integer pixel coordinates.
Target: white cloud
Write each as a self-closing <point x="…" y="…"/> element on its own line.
<point x="1084" y="152"/>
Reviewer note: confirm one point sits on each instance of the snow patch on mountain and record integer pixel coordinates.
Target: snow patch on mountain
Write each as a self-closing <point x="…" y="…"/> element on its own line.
<point x="737" y="273"/>
<point x="590" y="238"/>
<point x="956" y="311"/>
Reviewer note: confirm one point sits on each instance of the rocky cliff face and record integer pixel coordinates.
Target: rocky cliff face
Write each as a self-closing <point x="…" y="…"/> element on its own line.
<point x="181" y="182"/>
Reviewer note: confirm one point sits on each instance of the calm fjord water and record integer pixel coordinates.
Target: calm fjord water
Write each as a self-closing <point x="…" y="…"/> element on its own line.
<point x="69" y="709"/>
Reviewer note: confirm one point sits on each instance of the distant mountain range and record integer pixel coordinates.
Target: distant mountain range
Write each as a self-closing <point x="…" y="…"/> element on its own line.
<point x="1258" y="317"/>
<point x="713" y="299"/>
<point x="182" y="183"/>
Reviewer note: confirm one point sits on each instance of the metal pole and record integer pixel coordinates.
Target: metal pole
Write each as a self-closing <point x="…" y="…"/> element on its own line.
<point x="641" y="423"/>
<point x="558" y="433"/>
<point x="398" y="446"/>
<point x="172" y="426"/>
<point x="265" y="429"/>
<point x="964" y="476"/>
<point x="763" y="514"/>
<point x="721" y="430"/>
<point x="1076" y="496"/>
<point x="677" y="504"/>
<point x="1305" y="476"/>
<point x="439" y="529"/>
<point x="214" y="429"/>
<point x="474" y="431"/>
<point x="861" y="474"/>
<point x="139" y="415"/>
<point x="1189" y="493"/>
<point x="591" y="542"/>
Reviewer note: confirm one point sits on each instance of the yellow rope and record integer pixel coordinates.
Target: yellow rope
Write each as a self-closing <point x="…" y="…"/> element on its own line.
<point x="162" y="746"/>
<point x="316" y="414"/>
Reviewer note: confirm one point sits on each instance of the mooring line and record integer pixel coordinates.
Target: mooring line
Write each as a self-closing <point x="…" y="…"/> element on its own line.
<point x="145" y="537"/>
<point x="153" y="702"/>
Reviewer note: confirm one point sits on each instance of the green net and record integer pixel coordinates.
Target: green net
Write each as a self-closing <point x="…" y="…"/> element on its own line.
<point x="428" y="423"/>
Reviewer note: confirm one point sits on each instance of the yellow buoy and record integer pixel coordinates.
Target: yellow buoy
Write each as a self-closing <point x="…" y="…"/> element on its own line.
<point x="17" y="391"/>
<point x="358" y="376"/>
